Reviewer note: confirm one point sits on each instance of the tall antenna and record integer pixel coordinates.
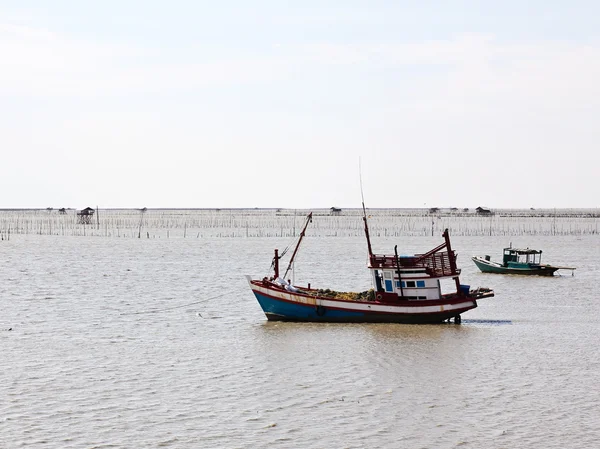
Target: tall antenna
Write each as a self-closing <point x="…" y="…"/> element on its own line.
<point x="364" y="211"/>
<point x="360" y="180"/>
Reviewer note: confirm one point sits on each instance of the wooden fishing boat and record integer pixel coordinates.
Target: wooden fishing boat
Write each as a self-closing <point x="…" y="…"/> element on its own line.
<point x="406" y="289"/>
<point x="518" y="261"/>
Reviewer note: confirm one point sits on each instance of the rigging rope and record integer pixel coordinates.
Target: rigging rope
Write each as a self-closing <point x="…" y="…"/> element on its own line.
<point x="173" y="308"/>
<point x="287" y="248"/>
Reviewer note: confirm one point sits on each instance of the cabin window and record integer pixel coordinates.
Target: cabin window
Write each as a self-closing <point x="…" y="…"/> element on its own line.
<point x="421" y="284"/>
<point x="398" y="284"/>
<point x="403" y="284"/>
<point x="410" y="284"/>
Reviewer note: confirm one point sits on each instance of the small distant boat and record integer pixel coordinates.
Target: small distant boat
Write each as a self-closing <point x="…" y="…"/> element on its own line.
<point x="406" y="290"/>
<point x="518" y="261"/>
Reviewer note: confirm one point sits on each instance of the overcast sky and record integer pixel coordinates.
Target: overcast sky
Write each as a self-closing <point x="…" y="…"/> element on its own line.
<point x="271" y="103"/>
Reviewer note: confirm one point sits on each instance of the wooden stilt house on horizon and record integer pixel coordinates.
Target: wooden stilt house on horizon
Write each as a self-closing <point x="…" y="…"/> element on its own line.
<point x="85" y="216"/>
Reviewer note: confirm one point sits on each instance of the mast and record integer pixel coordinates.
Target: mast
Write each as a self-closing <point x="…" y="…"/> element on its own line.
<point x="398" y="267"/>
<point x="452" y="258"/>
<point x="308" y="220"/>
<point x="367" y="234"/>
<point x="276" y="264"/>
<point x="365" y="215"/>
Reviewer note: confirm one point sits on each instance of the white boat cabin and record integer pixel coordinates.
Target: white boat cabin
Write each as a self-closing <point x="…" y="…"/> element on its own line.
<point x="413" y="284"/>
<point x="421" y="277"/>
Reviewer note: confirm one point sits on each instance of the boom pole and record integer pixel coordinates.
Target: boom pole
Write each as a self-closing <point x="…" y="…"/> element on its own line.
<point x="308" y="220"/>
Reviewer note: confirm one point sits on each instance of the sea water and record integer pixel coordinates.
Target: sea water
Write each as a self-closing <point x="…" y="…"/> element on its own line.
<point x="129" y="342"/>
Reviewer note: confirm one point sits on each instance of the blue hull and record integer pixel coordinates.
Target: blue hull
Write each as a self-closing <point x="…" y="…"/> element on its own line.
<point x="277" y="310"/>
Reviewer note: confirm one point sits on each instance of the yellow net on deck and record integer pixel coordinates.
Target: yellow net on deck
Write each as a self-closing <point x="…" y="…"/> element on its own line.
<point x="368" y="295"/>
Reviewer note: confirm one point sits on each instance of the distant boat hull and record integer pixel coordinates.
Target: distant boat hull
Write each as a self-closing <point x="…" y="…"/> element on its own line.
<point x="487" y="266"/>
<point x="281" y="305"/>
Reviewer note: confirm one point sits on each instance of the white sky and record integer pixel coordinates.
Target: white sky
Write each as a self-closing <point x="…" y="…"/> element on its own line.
<point x="263" y="104"/>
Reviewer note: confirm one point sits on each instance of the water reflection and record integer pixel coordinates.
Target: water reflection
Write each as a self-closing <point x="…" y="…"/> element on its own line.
<point x="491" y="322"/>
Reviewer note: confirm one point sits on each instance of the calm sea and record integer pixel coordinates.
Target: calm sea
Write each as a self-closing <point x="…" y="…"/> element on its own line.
<point x="159" y="343"/>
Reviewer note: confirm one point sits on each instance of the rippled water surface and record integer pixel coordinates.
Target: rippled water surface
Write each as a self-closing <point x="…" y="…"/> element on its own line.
<point x="160" y="343"/>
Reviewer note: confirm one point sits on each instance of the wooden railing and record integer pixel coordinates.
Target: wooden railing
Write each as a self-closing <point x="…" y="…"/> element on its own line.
<point x="436" y="264"/>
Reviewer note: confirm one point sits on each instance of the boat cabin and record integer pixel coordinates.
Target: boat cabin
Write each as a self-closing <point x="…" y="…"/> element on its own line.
<point x="417" y="277"/>
<point x="521" y="258"/>
<point x="412" y="284"/>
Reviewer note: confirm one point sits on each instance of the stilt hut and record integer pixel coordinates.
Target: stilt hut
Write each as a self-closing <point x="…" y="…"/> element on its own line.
<point x="84" y="216"/>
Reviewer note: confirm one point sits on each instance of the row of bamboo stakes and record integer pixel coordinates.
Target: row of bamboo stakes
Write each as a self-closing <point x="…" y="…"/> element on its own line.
<point x="249" y="223"/>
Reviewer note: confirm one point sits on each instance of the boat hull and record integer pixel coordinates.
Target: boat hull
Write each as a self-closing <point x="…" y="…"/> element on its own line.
<point x="493" y="267"/>
<point x="279" y="305"/>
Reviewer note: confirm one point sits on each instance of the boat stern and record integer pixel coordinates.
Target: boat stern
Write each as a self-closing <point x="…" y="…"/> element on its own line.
<point x="480" y="293"/>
